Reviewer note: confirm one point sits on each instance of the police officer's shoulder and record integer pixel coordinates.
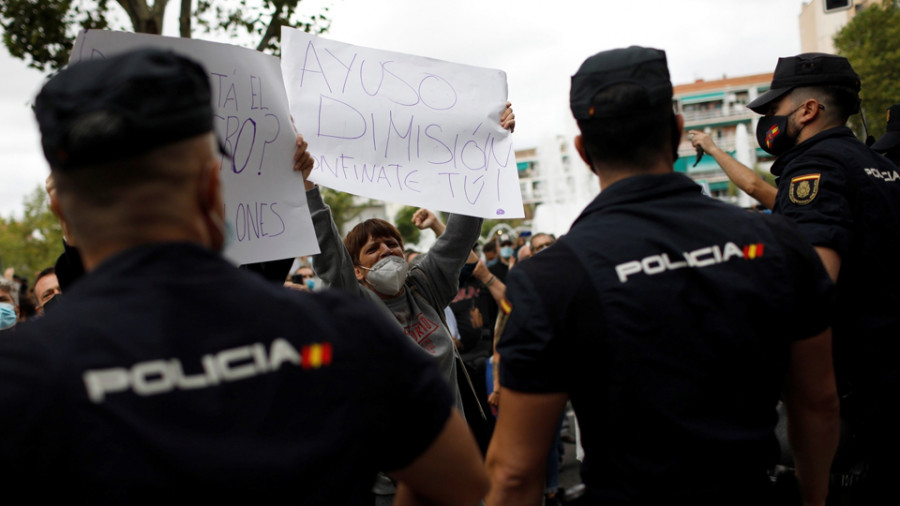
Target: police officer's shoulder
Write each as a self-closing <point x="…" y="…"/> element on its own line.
<point x="556" y="272"/>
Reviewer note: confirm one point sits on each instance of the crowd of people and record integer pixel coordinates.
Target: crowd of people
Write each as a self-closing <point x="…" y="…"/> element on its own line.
<point x="681" y="330"/>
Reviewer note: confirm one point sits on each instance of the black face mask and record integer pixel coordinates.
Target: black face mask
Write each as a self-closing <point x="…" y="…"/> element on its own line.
<point x="466" y="272"/>
<point x="772" y="133"/>
<point x="51" y="302"/>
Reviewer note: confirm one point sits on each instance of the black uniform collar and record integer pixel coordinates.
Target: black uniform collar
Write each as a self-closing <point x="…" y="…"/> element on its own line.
<point x="791" y="154"/>
<point x="639" y="189"/>
<point x="165" y="253"/>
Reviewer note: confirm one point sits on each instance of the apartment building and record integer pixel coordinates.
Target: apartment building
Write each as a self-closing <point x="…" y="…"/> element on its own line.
<point x="820" y="20"/>
<point x="718" y="108"/>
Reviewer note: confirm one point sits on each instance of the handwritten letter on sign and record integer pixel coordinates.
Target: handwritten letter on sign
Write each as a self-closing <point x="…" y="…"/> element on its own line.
<point x="402" y="128"/>
<point x="265" y="202"/>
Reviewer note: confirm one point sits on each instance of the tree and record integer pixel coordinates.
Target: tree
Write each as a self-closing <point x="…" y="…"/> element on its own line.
<point x="403" y="221"/>
<point x="871" y="41"/>
<point x="34" y="242"/>
<point x="41" y="32"/>
<point x="344" y="206"/>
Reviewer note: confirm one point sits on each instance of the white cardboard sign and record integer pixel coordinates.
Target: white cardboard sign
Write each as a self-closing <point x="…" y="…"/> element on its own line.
<point x="265" y="202"/>
<point x="402" y="128"/>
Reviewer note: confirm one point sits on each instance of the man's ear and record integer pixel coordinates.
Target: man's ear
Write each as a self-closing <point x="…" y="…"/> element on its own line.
<point x="209" y="189"/>
<point x="579" y="146"/>
<point x="57" y="210"/>
<point x="678" y="130"/>
<point x="209" y="199"/>
<point x="360" y="274"/>
<point x="810" y="110"/>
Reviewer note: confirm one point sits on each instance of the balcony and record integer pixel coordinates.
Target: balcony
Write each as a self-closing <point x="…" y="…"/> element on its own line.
<point x="724" y="115"/>
<point x="727" y="143"/>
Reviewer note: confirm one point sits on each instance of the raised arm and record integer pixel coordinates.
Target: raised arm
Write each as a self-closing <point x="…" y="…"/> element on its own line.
<point x="333" y="264"/>
<point x="742" y="176"/>
<point x="448" y="254"/>
<point x="423" y="218"/>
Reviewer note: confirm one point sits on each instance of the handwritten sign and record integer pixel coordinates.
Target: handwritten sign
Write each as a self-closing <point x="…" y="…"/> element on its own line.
<point x="402" y="128"/>
<point x="265" y="203"/>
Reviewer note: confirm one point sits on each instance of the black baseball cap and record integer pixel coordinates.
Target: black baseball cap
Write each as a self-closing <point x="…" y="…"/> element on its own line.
<point x="807" y="69"/>
<point x="107" y="109"/>
<point x="645" y="67"/>
<point x="891" y="138"/>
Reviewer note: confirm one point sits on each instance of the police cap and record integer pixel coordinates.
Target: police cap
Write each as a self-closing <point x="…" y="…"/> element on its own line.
<point x="111" y="108"/>
<point x="807" y="69"/>
<point x="645" y="67"/>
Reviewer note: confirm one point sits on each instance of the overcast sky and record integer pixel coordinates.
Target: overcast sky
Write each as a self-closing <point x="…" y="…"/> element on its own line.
<point x="539" y="44"/>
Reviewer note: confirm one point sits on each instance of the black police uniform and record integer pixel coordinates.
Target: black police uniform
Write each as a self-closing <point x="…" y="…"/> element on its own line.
<point x="667" y="317"/>
<point x="167" y="374"/>
<point x="846" y="197"/>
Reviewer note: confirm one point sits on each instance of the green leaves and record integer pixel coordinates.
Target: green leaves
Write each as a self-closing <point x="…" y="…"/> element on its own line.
<point x="871" y="41"/>
<point x="33" y="242"/>
<point x="41" y="32"/>
<point x="403" y="221"/>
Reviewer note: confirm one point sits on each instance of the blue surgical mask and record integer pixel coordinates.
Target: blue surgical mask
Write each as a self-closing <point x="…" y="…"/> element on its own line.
<point x="506" y="252"/>
<point x="8" y="316"/>
<point x="311" y="284"/>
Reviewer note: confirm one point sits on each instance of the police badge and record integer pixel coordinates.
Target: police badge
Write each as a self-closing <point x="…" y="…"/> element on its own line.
<point x="804" y="189"/>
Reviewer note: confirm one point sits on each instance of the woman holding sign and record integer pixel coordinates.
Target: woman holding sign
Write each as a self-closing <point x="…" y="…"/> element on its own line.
<point x="370" y="261"/>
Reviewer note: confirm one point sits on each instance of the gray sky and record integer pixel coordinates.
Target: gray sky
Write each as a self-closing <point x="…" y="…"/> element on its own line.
<point x="539" y="44"/>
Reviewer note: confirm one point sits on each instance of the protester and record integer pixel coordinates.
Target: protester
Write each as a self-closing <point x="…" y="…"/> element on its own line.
<point x="507" y="250"/>
<point x="46" y="289"/>
<point x="493" y="259"/>
<point x="673" y="321"/>
<point x="181" y="375"/>
<point x="540" y="241"/>
<point x="523" y="253"/>
<point x="371" y="262"/>
<point x="845" y="199"/>
<point x="9" y="304"/>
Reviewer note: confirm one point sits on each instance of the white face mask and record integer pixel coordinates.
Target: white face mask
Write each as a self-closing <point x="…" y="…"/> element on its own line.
<point x="387" y="275"/>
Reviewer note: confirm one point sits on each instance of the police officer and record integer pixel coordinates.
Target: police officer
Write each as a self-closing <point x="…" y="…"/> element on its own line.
<point x="889" y="143"/>
<point x="670" y="319"/>
<point x="169" y="375"/>
<point x="845" y="199"/>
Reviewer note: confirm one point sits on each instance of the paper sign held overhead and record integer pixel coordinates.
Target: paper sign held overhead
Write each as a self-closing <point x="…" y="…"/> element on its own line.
<point x="402" y="128"/>
<point x="265" y="202"/>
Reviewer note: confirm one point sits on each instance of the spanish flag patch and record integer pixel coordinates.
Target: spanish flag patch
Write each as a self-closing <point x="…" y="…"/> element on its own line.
<point x="752" y="251"/>
<point x="315" y="356"/>
<point x="803" y="189"/>
<point x="771" y="135"/>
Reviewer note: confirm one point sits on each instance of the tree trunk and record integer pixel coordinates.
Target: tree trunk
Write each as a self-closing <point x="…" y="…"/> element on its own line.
<point x="143" y="18"/>
<point x="185" y="19"/>
<point x="273" y="29"/>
